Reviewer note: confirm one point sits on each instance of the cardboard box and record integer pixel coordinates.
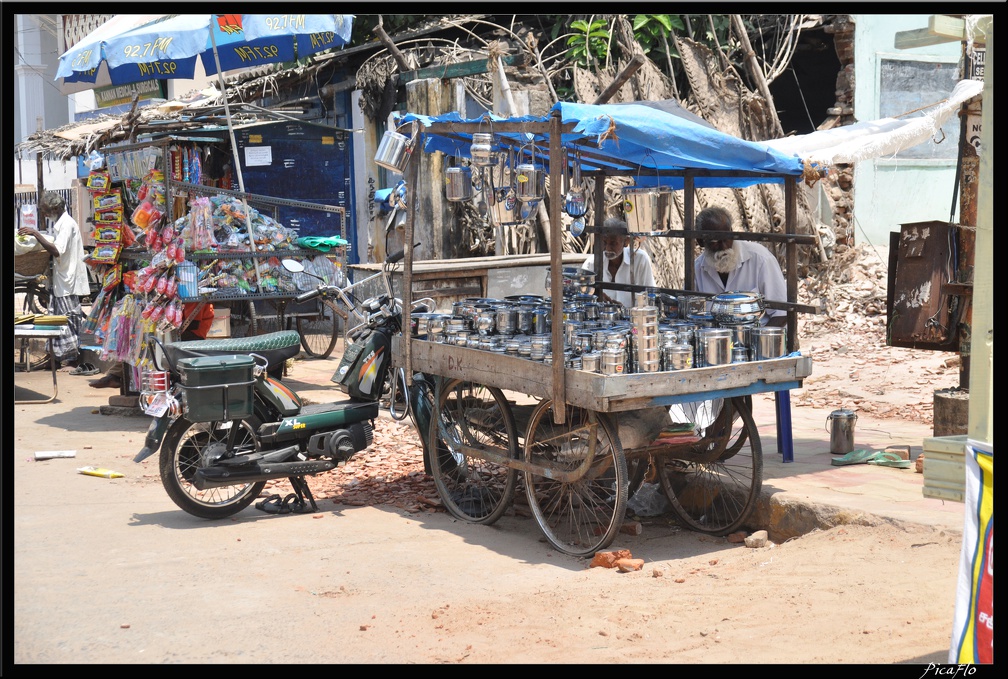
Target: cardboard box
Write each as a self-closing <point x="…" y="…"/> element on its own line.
<point x="221" y="326"/>
<point x="945" y="467"/>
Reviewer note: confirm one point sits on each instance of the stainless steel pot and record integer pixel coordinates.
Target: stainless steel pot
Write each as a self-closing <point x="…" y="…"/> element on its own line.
<point x="767" y="342"/>
<point x="715" y="346"/>
<point x="393" y="151"/>
<point x="484" y="151"/>
<point x="677" y="356"/>
<point x="668" y="305"/>
<point x="842" y="433"/>
<point x="737" y="307"/>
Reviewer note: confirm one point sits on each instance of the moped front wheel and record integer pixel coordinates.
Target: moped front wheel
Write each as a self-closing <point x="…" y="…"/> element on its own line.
<point x="191" y="445"/>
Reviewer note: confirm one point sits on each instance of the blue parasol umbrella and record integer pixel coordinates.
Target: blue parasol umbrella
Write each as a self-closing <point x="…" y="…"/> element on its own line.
<point x="166" y="48"/>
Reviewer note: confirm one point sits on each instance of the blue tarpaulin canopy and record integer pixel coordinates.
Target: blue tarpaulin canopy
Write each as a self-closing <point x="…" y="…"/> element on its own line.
<point x="633" y="138"/>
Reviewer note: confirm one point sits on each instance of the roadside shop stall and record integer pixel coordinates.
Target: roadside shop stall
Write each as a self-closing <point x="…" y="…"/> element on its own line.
<point x="166" y="244"/>
<point x="578" y="396"/>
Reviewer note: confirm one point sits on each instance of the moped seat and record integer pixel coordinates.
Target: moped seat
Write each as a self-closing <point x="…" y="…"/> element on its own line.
<point x="275" y="347"/>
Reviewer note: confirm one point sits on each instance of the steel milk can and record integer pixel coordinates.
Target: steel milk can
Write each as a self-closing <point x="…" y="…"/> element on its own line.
<point x="841" y="431"/>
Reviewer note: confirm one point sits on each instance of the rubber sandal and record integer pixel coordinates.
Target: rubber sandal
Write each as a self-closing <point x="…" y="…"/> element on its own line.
<point x="859" y="456"/>
<point x="85" y="369"/>
<point x="274" y="504"/>
<point x="299" y="506"/>
<point x="293" y="504"/>
<point x="887" y="459"/>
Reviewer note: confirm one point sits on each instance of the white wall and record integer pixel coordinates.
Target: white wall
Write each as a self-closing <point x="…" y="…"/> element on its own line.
<point x="890" y="192"/>
<point x="55" y="174"/>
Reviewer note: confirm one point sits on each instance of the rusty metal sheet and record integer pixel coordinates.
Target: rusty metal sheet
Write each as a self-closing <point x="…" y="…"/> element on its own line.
<point x="920" y="316"/>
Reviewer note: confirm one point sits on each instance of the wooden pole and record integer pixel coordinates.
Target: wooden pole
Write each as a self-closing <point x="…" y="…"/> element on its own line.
<point x="790" y="255"/>
<point x="400" y="60"/>
<point x="620" y="79"/>
<point x="556" y="279"/>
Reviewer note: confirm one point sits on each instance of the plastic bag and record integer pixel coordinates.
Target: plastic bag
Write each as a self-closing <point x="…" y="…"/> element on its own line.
<point x="649" y="500"/>
<point x="29" y="215"/>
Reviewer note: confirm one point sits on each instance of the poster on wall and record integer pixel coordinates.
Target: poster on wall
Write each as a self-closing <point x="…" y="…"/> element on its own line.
<point x="905" y="87"/>
<point x="973" y="623"/>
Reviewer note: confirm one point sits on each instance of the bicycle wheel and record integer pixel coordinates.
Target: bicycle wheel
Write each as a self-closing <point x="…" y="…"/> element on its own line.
<point x="716" y="491"/>
<point x="468" y="416"/>
<point x="581" y="516"/>
<point x="31" y="298"/>
<point x="319" y="332"/>
<point x="266" y="318"/>
<point x="243" y="319"/>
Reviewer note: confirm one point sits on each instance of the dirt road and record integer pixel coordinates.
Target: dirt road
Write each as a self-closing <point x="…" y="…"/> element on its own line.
<point x="110" y="571"/>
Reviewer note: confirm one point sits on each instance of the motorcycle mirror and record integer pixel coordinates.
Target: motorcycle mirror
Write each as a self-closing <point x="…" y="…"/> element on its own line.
<point x="293" y="265"/>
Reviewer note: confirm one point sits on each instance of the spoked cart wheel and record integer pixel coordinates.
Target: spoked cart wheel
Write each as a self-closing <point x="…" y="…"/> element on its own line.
<point x="473" y="416"/>
<point x="580" y="505"/>
<point x="713" y="487"/>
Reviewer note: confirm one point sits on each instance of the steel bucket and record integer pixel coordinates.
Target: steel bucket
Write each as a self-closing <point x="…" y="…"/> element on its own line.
<point x="842" y="431"/>
<point x="393" y="151"/>
<point x="647" y="209"/>
<point x="458" y="183"/>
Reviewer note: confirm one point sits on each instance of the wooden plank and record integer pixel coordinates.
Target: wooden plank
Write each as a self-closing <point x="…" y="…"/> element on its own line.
<point x="457" y="70"/>
<point x="941" y="29"/>
<point x="606" y="393"/>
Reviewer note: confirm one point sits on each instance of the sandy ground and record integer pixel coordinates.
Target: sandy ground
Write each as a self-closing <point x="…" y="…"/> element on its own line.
<point x="110" y="571"/>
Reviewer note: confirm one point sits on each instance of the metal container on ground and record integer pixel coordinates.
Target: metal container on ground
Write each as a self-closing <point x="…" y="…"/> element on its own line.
<point x="841" y="431"/>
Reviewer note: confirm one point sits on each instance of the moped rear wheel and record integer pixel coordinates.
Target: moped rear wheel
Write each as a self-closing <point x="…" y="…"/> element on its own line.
<point x="191" y="445"/>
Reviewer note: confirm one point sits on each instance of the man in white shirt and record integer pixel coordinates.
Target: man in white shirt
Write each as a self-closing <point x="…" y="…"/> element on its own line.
<point x="70" y="277"/>
<point x="621" y="263"/>
<point x="738" y="266"/>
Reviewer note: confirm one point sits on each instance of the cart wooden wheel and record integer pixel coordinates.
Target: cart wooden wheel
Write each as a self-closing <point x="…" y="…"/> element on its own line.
<point x="469" y="415"/>
<point x="713" y="488"/>
<point x="319" y="332"/>
<point x="582" y="515"/>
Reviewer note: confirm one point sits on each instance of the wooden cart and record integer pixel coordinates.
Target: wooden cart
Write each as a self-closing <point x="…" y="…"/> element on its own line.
<point x="497" y="415"/>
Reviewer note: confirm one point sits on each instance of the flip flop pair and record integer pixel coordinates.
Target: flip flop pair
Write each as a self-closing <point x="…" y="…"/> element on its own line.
<point x="887" y="459"/>
<point x="880" y="458"/>
<point x="292" y="504"/>
<point x="857" y="456"/>
<point x="85" y="369"/>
